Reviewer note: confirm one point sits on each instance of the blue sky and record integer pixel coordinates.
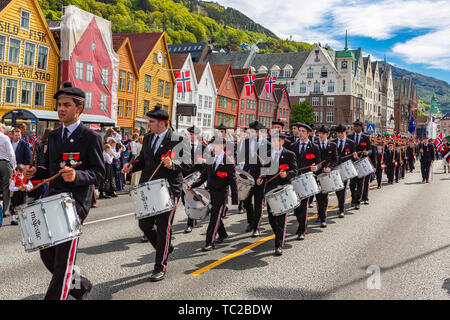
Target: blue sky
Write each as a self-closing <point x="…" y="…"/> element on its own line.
<point x="412" y="34"/>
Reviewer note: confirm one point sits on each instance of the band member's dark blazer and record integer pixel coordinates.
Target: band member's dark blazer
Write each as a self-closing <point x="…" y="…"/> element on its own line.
<point x="287" y="158"/>
<point x="310" y="156"/>
<point x="344" y="154"/>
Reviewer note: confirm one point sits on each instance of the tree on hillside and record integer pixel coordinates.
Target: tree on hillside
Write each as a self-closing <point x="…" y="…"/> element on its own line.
<point x="302" y="112"/>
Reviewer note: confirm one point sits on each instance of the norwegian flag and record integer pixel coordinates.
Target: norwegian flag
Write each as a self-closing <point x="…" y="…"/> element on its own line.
<point x="33" y="140"/>
<point x="249" y="83"/>
<point x="270" y="84"/>
<point x="183" y="81"/>
<point x="439" y="143"/>
<point x="284" y="91"/>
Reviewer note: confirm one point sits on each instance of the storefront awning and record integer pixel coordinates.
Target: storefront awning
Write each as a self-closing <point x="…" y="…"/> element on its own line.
<point x="45" y="115"/>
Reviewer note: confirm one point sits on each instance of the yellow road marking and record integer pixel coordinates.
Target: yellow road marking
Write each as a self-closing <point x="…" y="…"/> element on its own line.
<point x="249" y="247"/>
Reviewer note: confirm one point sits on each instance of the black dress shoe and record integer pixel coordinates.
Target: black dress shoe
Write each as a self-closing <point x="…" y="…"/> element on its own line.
<point x="310" y="205"/>
<point x="249" y="228"/>
<point x="112" y="194"/>
<point x="428" y="181"/>
<point x="301" y="237"/>
<point x="208" y="247"/>
<point x="14" y="223"/>
<point x="144" y="239"/>
<point x="323" y="224"/>
<point x="256" y="234"/>
<point x="341" y="215"/>
<point x="188" y="230"/>
<point x="278" y="252"/>
<point x="357" y="206"/>
<point x="366" y="201"/>
<point x="157" y="275"/>
<point x="221" y="239"/>
<point x="379" y="187"/>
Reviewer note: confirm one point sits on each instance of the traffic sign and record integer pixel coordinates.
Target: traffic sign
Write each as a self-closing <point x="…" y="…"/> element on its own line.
<point x="370" y="128"/>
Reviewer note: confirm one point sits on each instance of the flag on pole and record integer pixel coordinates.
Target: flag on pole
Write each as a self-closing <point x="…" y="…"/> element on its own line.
<point x="284" y="91"/>
<point x="438" y="142"/>
<point x="33" y="140"/>
<point x="183" y="81"/>
<point x="270" y="84"/>
<point x="249" y="83"/>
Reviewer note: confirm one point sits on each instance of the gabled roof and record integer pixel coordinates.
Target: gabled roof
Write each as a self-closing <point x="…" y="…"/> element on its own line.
<point x="4" y="4"/>
<point x="195" y="49"/>
<point x="199" y="69"/>
<point x="295" y="59"/>
<point x="237" y="59"/>
<point x="260" y="83"/>
<point x="366" y="61"/>
<point x="118" y="42"/>
<point x="240" y="81"/>
<point x="278" y="93"/>
<point x="141" y="44"/>
<point x="374" y="65"/>
<point x="178" y="60"/>
<point x="219" y="71"/>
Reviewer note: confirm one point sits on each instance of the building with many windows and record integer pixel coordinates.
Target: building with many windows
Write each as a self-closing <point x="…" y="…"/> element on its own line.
<point x="227" y="105"/>
<point x="29" y="58"/>
<point x="207" y="97"/>
<point x="249" y="102"/>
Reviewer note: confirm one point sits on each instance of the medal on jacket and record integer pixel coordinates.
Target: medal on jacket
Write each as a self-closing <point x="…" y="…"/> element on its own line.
<point x="72" y="158"/>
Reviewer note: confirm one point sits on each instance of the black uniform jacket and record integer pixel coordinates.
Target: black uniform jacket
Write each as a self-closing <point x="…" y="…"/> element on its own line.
<point x="148" y="162"/>
<point x="346" y="152"/>
<point x="363" y="145"/>
<point x="390" y="157"/>
<point x="252" y="162"/>
<point x="218" y="181"/>
<point x="329" y="154"/>
<point x="428" y="153"/>
<point x="310" y="156"/>
<point x="286" y="162"/>
<point x="89" y="146"/>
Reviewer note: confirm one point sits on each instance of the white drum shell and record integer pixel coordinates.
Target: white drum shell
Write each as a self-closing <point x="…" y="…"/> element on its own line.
<point x="330" y="182"/>
<point x="194" y="208"/>
<point x="190" y="179"/>
<point x="347" y="170"/>
<point x="245" y="184"/>
<point x="282" y="200"/>
<point x="305" y="185"/>
<point x="151" y="198"/>
<point x="48" y="222"/>
<point x="364" y="167"/>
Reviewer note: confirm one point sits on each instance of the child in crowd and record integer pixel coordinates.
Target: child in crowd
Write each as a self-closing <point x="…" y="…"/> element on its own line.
<point x="106" y="186"/>
<point x="19" y="186"/>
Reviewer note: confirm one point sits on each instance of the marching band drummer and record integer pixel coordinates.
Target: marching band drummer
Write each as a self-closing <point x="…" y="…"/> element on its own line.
<point x="308" y="156"/>
<point x="328" y="152"/>
<point x="157" y="148"/>
<point x="392" y="158"/>
<point x="346" y="150"/>
<point x="410" y="155"/>
<point x="219" y="175"/>
<point x="286" y="163"/>
<point x="380" y="163"/>
<point x="71" y="140"/>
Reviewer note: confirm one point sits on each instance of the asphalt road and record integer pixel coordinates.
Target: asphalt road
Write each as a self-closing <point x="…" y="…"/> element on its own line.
<point x="398" y="247"/>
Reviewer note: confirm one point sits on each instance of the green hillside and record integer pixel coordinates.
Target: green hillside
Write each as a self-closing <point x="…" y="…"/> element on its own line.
<point x="183" y="21"/>
<point x="426" y="87"/>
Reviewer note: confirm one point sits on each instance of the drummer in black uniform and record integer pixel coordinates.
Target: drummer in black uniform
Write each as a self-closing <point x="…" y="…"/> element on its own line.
<point x="346" y="151"/>
<point x="308" y="158"/>
<point x="328" y="152"/>
<point x="161" y="147"/>
<point x="380" y="163"/>
<point x="72" y="138"/>
<point x="219" y="175"/>
<point x="283" y="162"/>
<point x="392" y="158"/>
<point x="198" y="163"/>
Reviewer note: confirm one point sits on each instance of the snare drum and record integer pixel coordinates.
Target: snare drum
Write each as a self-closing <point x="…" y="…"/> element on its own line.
<point x="48" y="222"/>
<point x="282" y="200"/>
<point x="190" y="179"/>
<point x="364" y="167"/>
<point x="330" y="182"/>
<point x="151" y="198"/>
<point x="194" y="208"/>
<point x="305" y="185"/>
<point x="245" y="184"/>
<point x="347" y="170"/>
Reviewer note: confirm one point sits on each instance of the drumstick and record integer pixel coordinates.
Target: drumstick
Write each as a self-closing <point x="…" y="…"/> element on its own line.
<point x="32" y="156"/>
<point x="54" y="177"/>
<point x="310" y="166"/>
<point x="197" y="196"/>
<point x="159" y="165"/>
<point x="350" y="155"/>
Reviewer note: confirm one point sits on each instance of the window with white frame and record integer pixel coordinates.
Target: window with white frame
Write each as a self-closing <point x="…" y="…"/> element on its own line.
<point x="2" y="47"/>
<point x="11" y="91"/>
<point x="105" y="78"/>
<point x="88" y="101"/>
<point x="130" y="80"/>
<point x="330" y="116"/>
<point x="302" y="87"/>
<point x="310" y="73"/>
<point x="25" y="19"/>
<point x="148" y="82"/>
<point x="30" y="52"/>
<point x="206" y="120"/>
<point x="128" y="109"/>
<point x="200" y="101"/>
<point x="43" y="58"/>
<point x="39" y="94"/>
<point x="315" y="101"/>
<point x="199" y="119"/>
<point x="103" y="102"/>
<point x="316" y="116"/>
<point x="26" y="93"/>
<point x="330" y="101"/>
<point x="316" y="87"/>
<point x="79" y="67"/>
<point x="89" y="72"/>
<point x="330" y="86"/>
<point x="14" y="51"/>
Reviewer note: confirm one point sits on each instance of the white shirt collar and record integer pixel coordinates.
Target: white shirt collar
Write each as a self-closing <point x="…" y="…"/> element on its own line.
<point x="72" y="127"/>
<point x="162" y="135"/>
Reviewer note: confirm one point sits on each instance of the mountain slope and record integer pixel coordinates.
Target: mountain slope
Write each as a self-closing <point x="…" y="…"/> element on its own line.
<point x="426" y="87"/>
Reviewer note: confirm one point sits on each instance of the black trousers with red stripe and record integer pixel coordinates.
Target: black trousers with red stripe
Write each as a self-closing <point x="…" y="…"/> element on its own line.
<point x="301" y="212"/>
<point x="278" y="224"/>
<point x="366" y="187"/>
<point x="218" y="204"/>
<point x="322" y="206"/>
<point x="254" y="210"/>
<point x="341" y="194"/>
<point x="161" y="237"/>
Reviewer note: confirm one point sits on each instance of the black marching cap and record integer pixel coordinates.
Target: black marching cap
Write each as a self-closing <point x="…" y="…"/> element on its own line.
<point x="193" y="130"/>
<point x="341" y="128"/>
<point x="158" y="113"/>
<point x="69" y="91"/>
<point x="323" y="129"/>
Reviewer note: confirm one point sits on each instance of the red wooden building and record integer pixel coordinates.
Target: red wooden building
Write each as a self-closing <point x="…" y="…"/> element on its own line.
<point x="248" y="102"/>
<point x="283" y="109"/>
<point x="266" y="103"/>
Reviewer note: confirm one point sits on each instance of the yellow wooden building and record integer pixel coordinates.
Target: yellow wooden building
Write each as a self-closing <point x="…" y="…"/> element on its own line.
<point x="156" y="79"/>
<point x="128" y="85"/>
<point x="29" y="58"/>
